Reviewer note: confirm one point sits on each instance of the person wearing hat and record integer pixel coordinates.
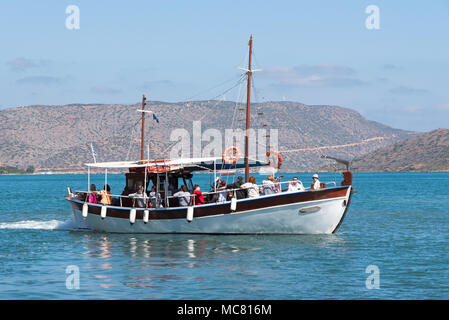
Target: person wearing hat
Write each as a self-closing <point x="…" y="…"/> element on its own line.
<point x="316" y="183"/>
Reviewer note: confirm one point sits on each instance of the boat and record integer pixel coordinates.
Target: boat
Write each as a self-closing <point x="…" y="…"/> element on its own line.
<point x="307" y="211"/>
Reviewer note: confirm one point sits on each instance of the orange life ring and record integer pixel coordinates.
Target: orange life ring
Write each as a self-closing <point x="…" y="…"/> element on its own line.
<point x="279" y="158"/>
<point x="231" y="155"/>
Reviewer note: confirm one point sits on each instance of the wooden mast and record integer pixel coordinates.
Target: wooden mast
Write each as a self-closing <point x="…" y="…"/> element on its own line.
<point x="142" y="142"/>
<point x="248" y="111"/>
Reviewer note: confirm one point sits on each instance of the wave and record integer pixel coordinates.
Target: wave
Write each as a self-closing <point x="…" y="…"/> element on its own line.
<point x="39" y="225"/>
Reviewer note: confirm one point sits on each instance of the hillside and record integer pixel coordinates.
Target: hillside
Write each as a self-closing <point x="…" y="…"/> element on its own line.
<point x="425" y="152"/>
<point x="59" y="137"/>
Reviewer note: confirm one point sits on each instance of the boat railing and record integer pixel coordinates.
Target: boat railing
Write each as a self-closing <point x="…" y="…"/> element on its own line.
<point x="85" y="195"/>
<point x="260" y="187"/>
<point x="280" y="187"/>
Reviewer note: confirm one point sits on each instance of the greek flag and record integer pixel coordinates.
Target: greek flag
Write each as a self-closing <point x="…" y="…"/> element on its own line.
<point x="94" y="154"/>
<point x="155" y="118"/>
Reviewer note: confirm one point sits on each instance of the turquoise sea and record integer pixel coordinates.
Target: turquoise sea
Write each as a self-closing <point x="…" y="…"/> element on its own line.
<point x="393" y="244"/>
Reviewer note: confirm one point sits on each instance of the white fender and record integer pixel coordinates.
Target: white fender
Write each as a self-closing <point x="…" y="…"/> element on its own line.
<point x="146" y="216"/>
<point x="103" y="212"/>
<point x="132" y="216"/>
<point x="233" y="203"/>
<point x="189" y="214"/>
<point x="85" y="210"/>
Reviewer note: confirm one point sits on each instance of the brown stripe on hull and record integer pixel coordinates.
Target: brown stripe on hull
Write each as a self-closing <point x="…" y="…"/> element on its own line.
<point x="219" y="209"/>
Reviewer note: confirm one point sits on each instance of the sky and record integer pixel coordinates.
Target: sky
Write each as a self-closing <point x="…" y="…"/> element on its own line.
<point x="391" y="65"/>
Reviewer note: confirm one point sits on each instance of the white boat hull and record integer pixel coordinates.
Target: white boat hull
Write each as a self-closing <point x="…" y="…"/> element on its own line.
<point x="308" y="217"/>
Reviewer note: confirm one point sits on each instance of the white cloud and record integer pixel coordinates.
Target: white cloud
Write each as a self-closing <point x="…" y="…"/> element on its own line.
<point x="406" y="90"/>
<point x="23" y="64"/>
<point x="41" y="80"/>
<point x="322" y="75"/>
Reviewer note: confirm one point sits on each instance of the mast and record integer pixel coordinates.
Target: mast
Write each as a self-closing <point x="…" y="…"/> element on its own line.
<point x="142" y="142"/>
<point x="248" y="111"/>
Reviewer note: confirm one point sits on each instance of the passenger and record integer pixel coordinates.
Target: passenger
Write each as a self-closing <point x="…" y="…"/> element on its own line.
<point x="125" y="191"/>
<point x="316" y="183"/>
<point x="269" y="186"/>
<point x="222" y="193"/>
<point x="183" y="196"/>
<point x="155" y="198"/>
<point x="199" y="198"/>
<point x="126" y="202"/>
<point x="140" y="197"/>
<point x="213" y="196"/>
<point x="217" y="182"/>
<point x="277" y="184"/>
<point x="295" y="185"/>
<point x="240" y="193"/>
<point x="251" y="187"/>
<point x="105" y="195"/>
<point x="171" y="190"/>
<point x="92" y="194"/>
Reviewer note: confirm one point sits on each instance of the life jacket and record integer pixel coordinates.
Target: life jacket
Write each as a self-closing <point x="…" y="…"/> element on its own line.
<point x="92" y="198"/>
<point x="105" y="197"/>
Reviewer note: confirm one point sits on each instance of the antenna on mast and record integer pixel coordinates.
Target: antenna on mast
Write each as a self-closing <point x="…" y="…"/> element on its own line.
<point x="248" y="110"/>
<point x="142" y="142"/>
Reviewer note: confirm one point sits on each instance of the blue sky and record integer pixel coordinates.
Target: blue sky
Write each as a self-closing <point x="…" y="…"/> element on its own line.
<point x="314" y="52"/>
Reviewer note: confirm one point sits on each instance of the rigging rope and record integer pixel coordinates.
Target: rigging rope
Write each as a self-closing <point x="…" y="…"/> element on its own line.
<point x="210" y="89"/>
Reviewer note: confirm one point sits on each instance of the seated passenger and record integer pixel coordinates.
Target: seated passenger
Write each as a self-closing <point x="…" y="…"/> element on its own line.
<point x="140" y="197"/>
<point x="251" y="187"/>
<point x="171" y="190"/>
<point x="155" y="198"/>
<point x="92" y="194"/>
<point x="213" y="196"/>
<point x="126" y="202"/>
<point x="240" y="193"/>
<point x="199" y="198"/>
<point x="183" y="196"/>
<point x="222" y="193"/>
<point x="316" y="183"/>
<point x="269" y="186"/>
<point x="295" y="185"/>
<point x="106" y="195"/>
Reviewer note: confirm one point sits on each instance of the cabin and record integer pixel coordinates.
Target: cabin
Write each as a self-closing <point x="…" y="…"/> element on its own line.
<point x="167" y="176"/>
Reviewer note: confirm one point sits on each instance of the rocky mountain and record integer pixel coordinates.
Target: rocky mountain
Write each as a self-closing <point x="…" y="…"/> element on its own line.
<point x="59" y="137"/>
<point x="425" y="152"/>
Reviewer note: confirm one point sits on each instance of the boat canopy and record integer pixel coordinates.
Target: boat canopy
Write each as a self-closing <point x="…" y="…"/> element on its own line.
<point x="191" y="164"/>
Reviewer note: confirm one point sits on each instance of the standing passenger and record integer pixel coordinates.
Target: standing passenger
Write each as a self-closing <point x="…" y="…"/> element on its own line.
<point x="155" y="198"/>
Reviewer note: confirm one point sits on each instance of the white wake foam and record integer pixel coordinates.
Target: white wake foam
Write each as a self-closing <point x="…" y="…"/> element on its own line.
<point x="39" y="225"/>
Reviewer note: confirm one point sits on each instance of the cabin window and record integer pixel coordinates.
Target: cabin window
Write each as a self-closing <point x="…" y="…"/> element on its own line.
<point x="130" y="183"/>
<point x="133" y="180"/>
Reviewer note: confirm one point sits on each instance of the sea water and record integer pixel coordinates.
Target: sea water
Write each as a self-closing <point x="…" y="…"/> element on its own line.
<point x="393" y="244"/>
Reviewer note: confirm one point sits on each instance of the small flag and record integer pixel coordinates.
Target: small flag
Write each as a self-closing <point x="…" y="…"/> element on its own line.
<point x="155" y="118"/>
<point x="94" y="154"/>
